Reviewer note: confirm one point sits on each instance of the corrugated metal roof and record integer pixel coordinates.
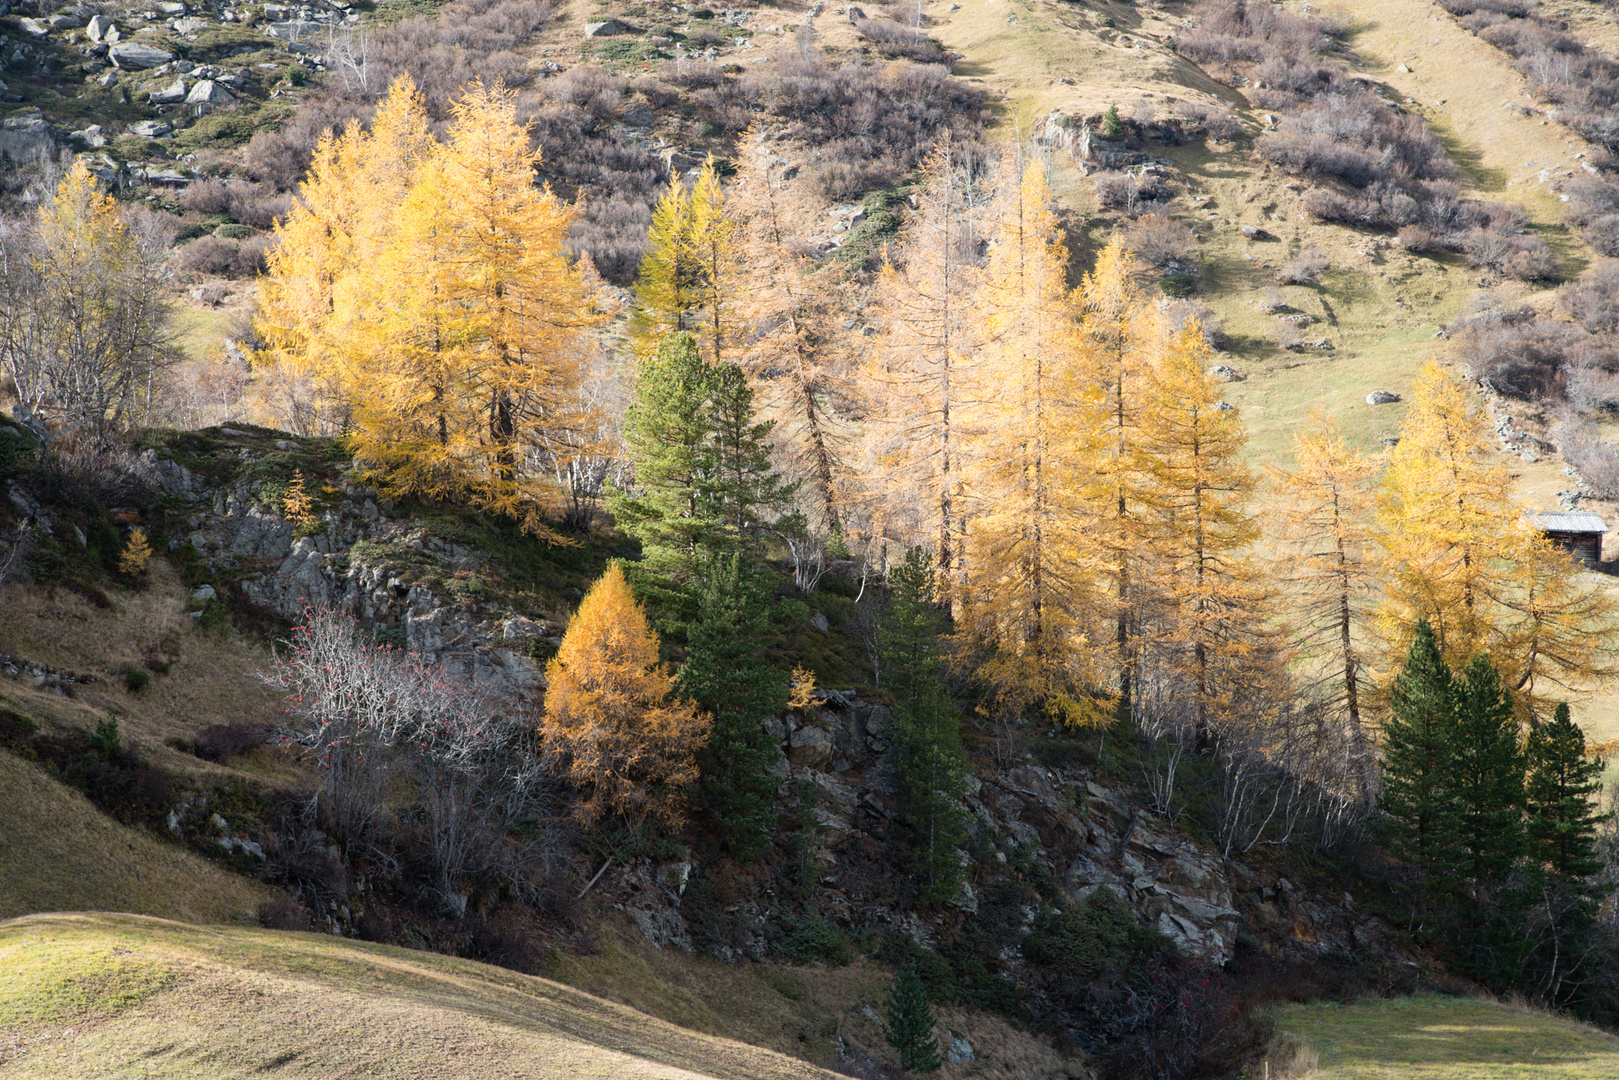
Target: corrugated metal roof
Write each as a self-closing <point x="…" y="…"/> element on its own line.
<point x="1568" y="521"/>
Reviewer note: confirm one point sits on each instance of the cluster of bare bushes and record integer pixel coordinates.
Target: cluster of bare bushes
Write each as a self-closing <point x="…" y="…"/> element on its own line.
<point x="1572" y="361"/>
<point x="1581" y="85"/>
<point x="377" y="723"/>
<point x="1374" y="164"/>
<point x="870" y="124"/>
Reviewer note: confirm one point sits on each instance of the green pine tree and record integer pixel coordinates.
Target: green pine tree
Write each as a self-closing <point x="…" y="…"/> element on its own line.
<point x="927" y="735"/>
<point x="1561" y="799"/>
<point x="726" y="675"/>
<point x="1487" y="782"/>
<point x="908" y="1023"/>
<point x="743" y="488"/>
<point x="1487" y="774"/>
<point x="1420" y="810"/>
<point x="668" y="432"/>
<point x="1112" y="126"/>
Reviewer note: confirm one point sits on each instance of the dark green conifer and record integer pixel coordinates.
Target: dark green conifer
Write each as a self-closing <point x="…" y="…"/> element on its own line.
<point x="927" y="735"/>
<point x="726" y="675"/>
<point x="1419" y="807"/>
<point x="1561" y="799"/>
<point x="1487" y="783"/>
<point x="1487" y="774"/>
<point x="908" y="1023"/>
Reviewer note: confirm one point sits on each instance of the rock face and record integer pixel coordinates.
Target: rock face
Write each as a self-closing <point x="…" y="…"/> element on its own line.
<point x="98" y="26"/>
<point x="25" y="138"/>
<point x="379" y="583"/>
<point x="606" y="28"/>
<point x="135" y="56"/>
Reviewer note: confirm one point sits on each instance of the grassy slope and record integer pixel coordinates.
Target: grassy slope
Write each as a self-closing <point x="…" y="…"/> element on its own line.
<point x="119" y="995"/>
<point x="1434" y="1038"/>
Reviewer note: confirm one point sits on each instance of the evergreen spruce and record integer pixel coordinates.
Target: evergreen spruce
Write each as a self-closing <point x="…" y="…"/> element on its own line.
<point x="667" y="434"/>
<point x="1487" y="774"/>
<point x="1487" y="781"/>
<point x="908" y="1023"/>
<point x="725" y="674"/>
<point x="704" y="484"/>
<point x="927" y="733"/>
<point x="743" y="487"/>
<point x="1419" y="806"/>
<point x="1561" y="799"/>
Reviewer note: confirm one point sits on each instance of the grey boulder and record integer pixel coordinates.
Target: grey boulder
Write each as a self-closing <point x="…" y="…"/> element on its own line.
<point x="132" y="54"/>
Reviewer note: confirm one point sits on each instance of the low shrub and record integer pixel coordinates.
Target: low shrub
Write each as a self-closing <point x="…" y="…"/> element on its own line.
<point x="1160" y="241"/>
<point x="812" y="939"/>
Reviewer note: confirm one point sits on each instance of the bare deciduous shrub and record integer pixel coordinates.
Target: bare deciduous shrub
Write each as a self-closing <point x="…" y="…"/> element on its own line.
<point x="1178" y="313"/>
<point x="225" y="258"/>
<point x="892" y="39"/>
<point x="1304" y="268"/>
<point x="657" y="93"/>
<point x="1160" y="241"/>
<point x="1596" y="460"/>
<point x="1524" y="257"/>
<point x="1416" y="238"/>
<point x="1218" y="122"/>
<point x="1521" y="360"/>
<point x="369" y="717"/>
<point x="1134" y="193"/>
<point x="254" y="206"/>
<point x="1272" y="300"/>
<point x="1593" y="390"/>
<point x="1593" y="300"/>
<point x="206" y="197"/>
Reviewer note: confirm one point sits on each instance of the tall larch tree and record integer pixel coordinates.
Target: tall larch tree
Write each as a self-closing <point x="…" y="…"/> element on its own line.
<point x="1321" y="519"/>
<point x="1031" y="573"/>
<point x="787" y="338"/>
<point x="503" y="308"/>
<point x="666" y="286"/>
<point x="926" y="296"/>
<point x="625" y="741"/>
<point x="318" y="281"/>
<point x="1199" y="530"/>
<point x="1119" y="333"/>
<point x="1458" y="552"/>
<point x="1449" y="523"/>
<point x="720" y="280"/>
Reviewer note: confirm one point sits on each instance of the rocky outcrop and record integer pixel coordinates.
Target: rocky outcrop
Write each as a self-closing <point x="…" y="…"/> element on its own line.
<point x="359" y="560"/>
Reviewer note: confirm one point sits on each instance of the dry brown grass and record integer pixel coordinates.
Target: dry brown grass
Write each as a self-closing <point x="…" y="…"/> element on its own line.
<point x="212" y="679"/>
<point x="118" y="995"/>
<point x="59" y="853"/>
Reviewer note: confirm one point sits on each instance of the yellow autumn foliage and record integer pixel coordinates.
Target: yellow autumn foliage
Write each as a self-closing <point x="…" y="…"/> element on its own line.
<point x="624" y="740"/>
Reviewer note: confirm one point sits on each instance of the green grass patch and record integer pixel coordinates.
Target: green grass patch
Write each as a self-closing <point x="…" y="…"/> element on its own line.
<point x="1438" y="1038"/>
<point x="75" y="980"/>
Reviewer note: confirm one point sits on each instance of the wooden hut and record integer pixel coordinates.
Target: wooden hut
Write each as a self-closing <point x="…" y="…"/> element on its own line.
<point x="1579" y="534"/>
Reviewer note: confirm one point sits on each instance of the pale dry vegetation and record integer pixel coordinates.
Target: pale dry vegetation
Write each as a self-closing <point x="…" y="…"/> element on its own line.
<point x="254" y="1003"/>
<point x="1372" y="163"/>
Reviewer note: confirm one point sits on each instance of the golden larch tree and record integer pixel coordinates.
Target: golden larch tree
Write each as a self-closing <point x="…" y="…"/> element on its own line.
<point x="789" y="346"/>
<point x="1030" y="573"/>
<point x="666" y="285"/>
<point x="1199" y="531"/>
<point x="1450" y="532"/>
<point x="720" y="275"/>
<point x="625" y="742"/>
<point x="476" y="343"/>
<point x="1119" y="333"/>
<point x="1320" y="522"/>
<point x="917" y="374"/>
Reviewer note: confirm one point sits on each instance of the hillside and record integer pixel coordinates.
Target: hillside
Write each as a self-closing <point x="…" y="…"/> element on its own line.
<point x="113" y="995"/>
<point x="299" y="791"/>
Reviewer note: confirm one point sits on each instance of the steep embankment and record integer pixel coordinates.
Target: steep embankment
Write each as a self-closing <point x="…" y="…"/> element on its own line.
<point x="82" y="994"/>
